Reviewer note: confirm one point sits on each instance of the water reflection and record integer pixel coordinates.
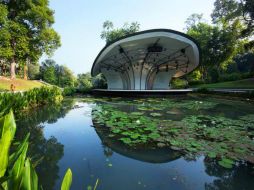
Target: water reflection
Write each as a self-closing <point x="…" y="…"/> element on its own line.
<point x="240" y="177"/>
<point x="92" y="154"/>
<point x="145" y="154"/>
<point x="49" y="150"/>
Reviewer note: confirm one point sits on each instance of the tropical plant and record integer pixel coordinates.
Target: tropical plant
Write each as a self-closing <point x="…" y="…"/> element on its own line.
<point x="37" y="96"/>
<point x="16" y="170"/>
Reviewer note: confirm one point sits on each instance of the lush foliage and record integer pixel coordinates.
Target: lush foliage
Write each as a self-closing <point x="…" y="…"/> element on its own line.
<point x="224" y="44"/>
<point x="26" y="32"/>
<point x="37" y="96"/>
<point x="218" y="45"/>
<point x="84" y="82"/>
<point x="179" y="83"/>
<point x="225" y="139"/>
<point x="233" y="12"/>
<point x="59" y="75"/>
<point x="16" y="170"/>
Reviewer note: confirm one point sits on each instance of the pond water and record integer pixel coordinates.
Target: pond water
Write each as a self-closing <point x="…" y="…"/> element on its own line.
<point x="151" y="143"/>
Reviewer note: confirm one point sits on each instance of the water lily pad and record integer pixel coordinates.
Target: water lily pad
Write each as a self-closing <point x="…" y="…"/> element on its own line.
<point x="226" y="163"/>
<point x="137" y="113"/>
<point x="155" y="114"/>
<point x="212" y="155"/>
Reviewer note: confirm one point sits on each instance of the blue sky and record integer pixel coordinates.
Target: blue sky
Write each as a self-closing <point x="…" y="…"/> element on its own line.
<point x="80" y="22"/>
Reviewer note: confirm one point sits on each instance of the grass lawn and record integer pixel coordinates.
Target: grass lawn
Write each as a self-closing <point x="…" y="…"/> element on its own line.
<point x="239" y="84"/>
<point x="20" y="84"/>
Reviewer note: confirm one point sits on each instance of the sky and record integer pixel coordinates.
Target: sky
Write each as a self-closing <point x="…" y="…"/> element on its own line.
<point x="79" y="23"/>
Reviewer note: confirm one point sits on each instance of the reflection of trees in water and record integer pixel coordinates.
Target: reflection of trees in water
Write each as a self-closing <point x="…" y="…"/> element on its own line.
<point x="49" y="149"/>
<point x="239" y="177"/>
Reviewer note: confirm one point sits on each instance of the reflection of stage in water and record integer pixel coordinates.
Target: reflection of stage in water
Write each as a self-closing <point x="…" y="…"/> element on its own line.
<point x="146" y="154"/>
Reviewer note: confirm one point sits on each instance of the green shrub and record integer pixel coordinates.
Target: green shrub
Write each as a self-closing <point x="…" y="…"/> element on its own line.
<point x="230" y="77"/>
<point x="179" y="83"/>
<point x="69" y="91"/>
<point x="23" y="100"/>
<point x="234" y="76"/>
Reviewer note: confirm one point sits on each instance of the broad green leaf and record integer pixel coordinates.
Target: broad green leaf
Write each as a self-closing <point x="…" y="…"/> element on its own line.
<point x="17" y="170"/>
<point x="13" y="157"/>
<point x="226" y="163"/>
<point x="66" y="183"/>
<point x="29" y="179"/>
<point x="7" y="132"/>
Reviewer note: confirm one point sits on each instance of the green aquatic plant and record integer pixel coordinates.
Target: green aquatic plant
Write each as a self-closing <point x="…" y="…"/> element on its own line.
<point x="215" y="137"/>
<point x="226" y="163"/>
<point x="16" y="170"/>
<point x="25" y="100"/>
<point x="155" y="114"/>
<point x="131" y="129"/>
<point x="67" y="180"/>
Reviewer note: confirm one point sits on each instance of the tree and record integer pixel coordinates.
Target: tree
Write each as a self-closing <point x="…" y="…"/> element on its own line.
<point x="47" y="71"/>
<point x="110" y="33"/>
<point x="84" y="82"/>
<point x="234" y="11"/>
<point x="65" y="76"/>
<point x="30" y="32"/>
<point x="99" y="81"/>
<point x="5" y="46"/>
<point x="218" y="44"/>
<point x="33" y="71"/>
<point x="193" y="20"/>
<point x="56" y="74"/>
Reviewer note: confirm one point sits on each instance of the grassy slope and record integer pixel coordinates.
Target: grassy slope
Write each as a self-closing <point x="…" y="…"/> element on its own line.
<point x="20" y="84"/>
<point x="239" y="84"/>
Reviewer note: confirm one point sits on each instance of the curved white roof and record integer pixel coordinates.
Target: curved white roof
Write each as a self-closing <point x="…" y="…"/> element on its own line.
<point x="153" y="49"/>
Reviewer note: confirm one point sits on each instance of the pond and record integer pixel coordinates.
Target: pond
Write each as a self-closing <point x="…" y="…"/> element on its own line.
<point x="185" y="142"/>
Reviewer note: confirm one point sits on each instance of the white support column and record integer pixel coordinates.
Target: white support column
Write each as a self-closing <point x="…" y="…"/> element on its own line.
<point x="162" y="79"/>
<point x="114" y="79"/>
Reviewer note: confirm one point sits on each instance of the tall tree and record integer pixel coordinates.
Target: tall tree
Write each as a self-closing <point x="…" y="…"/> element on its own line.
<point x="234" y="11"/>
<point x="84" y="82"/>
<point x="218" y="44"/>
<point x="110" y="33"/>
<point x="56" y="74"/>
<point x="30" y="31"/>
<point x="47" y="71"/>
<point x="65" y="76"/>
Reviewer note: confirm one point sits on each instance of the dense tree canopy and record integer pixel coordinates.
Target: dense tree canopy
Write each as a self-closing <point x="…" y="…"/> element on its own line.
<point x="59" y="75"/>
<point x="84" y="82"/>
<point x="26" y="32"/>
<point x="218" y="44"/>
<point x="231" y="12"/>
